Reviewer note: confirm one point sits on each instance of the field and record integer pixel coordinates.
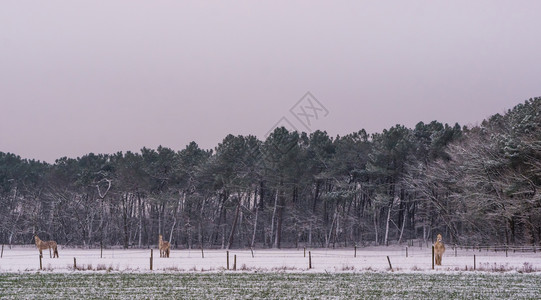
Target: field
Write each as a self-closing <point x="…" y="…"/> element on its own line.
<point x="280" y="285"/>
<point x="338" y="274"/>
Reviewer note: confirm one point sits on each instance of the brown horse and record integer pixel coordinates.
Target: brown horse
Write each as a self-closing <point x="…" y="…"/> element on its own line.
<point x="165" y="247"/>
<point x="46" y="245"/>
<point x="439" y="248"/>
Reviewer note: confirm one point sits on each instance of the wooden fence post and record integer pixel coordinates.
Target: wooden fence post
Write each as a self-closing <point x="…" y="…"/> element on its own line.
<point x="390" y="266"/>
<point x="40" y="264"/>
<point x="432" y="257"/>
<point x="101" y="250"/>
<point x="2" y="255"/>
<point x="227" y="260"/>
<point x="309" y="259"/>
<point x="234" y="262"/>
<point x="151" y="256"/>
<point x="252" y="250"/>
<point x="455" y="250"/>
<point x="406" y="251"/>
<point x="304" y="251"/>
<point x="74" y="264"/>
<point x="474" y="264"/>
<point x="355" y="253"/>
<point x="202" y="254"/>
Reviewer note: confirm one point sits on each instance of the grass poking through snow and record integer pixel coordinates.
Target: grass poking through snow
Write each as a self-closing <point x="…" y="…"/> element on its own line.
<point x="228" y="285"/>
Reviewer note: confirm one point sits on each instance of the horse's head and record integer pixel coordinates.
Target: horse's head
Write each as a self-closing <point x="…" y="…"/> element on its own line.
<point x="439" y="238"/>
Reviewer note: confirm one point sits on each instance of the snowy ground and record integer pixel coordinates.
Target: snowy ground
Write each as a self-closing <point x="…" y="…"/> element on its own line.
<point x="275" y="285"/>
<point x="26" y="259"/>
<point x="275" y="274"/>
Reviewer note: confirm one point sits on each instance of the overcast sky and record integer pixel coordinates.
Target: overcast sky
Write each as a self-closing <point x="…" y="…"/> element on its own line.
<point x="106" y="76"/>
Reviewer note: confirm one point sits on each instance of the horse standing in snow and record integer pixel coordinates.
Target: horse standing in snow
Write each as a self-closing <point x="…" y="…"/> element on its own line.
<point x="46" y="245"/>
<point x="165" y="247"/>
<point x="439" y="248"/>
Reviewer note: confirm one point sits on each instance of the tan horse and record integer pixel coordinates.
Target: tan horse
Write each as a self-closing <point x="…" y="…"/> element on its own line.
<point x="165" y="247"/>
<point x="46" y="245"/>
<point x="439" y="248"/>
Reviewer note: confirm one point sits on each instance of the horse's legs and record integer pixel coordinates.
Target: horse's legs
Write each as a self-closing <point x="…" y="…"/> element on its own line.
<point x="438" y="259"/>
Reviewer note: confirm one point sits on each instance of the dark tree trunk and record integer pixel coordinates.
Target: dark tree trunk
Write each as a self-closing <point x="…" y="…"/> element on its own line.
<point x="234" y="226"/>
<point x="125" y="220"/>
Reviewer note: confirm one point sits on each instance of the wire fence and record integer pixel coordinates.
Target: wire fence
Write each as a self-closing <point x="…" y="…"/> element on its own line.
<point x="321" y="259"/>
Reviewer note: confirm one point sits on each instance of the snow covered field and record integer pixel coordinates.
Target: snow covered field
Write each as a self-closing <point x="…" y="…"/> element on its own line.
<point x="26" y="259"/>
<point x="276" y="285"/>
<point x="276" y="274"/>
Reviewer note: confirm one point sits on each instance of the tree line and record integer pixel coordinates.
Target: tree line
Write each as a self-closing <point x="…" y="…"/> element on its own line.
<point x="474" y="185"/>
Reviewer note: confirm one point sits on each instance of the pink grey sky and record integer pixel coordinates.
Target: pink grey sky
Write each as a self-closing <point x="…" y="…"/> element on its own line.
<point x="106" y="76"/>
